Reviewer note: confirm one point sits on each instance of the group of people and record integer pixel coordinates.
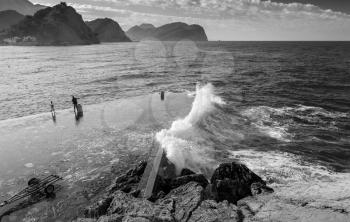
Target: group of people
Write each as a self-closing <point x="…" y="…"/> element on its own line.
<point x="77" y="108"/>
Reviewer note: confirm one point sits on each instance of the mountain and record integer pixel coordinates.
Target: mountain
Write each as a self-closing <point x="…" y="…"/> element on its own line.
<point x="108" y="30"/>
<point x="144" y="31"/>
<point x="169" y="32"/>
<point x="9" y="18"/>
<point x="24" y="7"/>
<point x="58" y="25"/>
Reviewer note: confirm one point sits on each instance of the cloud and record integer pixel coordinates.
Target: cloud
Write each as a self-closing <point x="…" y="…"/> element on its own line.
<point x="225" y="19"/>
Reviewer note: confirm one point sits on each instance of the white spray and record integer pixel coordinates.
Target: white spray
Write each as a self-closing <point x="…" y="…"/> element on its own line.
<point x="180" y="141"/>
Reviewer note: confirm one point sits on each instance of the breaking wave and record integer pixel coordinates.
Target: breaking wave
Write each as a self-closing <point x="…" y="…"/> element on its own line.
<point x="181" y="141"/>
<point x="278" y="123"/>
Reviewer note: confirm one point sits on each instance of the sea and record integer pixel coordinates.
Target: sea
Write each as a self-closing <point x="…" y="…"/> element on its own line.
<point x="281" y="108"/>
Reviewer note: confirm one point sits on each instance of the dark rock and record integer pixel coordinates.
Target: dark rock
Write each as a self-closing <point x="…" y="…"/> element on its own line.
<point x="99" y="208"/>
<point x="85" y="220"/>
<point x="186" y="172"/>
<point x="128" y="182"/>
<point x="126" y="204"/>
<point x="232" y="182"/>
<point x="135" y="219"/>
<point x="108" y="30"/>
<point x="179" y="181"/>
<point x="170" y="32"/>
<point x="211" y="211"/>
<point x="9" y="18"/>
<point x="135" y="193"/>
<point x="111" y="218"/>
<point x="186" y="198"/>
<point x="260" y="188"/>
<point x="58" y="25"/>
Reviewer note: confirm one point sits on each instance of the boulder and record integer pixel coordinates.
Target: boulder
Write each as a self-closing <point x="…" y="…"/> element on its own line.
<point x="129" y="181"/>
<point x="186" y="198"/>
<point x="186" y="172"/>
<point x="85" y="220"/>
<point x="99" y="208"/>
<point x="126" y="204"/>
<point x="211" y="211"/>
<point x="111" y="218"/>
<point x="179" y="181"/>
<point x="233" y="181"/>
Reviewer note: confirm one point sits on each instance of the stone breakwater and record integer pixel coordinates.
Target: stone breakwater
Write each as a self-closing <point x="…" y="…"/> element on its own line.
<point x="187" y="197"/>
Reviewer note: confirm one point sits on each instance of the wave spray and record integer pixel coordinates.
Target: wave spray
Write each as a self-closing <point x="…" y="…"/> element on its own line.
<point x="181" y="141"/>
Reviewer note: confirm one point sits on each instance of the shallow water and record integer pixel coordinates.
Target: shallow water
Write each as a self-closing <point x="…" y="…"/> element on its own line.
<point x="281" y="108"/>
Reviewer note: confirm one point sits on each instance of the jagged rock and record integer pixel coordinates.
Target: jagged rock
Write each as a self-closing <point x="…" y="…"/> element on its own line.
<point x="186" y="172"/>
<point x="58" y="25"/>
<point x="186" y="198"/>
<point x="135" y="219"/>
<point x="232" y="182"/>
<point x="211" y="211"/>
<point x="179" y="181"/>
<point x="129" y="182"/>
<point x="85" y="220"/>
<point x="99" y="208"/>
<point x="108" y="30"/>
<point x="259" y="188"/>
<point x="164" y="210"/>
<point x="111" y="218"/>
<point x="126" y="204"/>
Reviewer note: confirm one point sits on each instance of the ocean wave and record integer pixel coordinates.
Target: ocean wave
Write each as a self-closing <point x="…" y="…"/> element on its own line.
<point x="181" y="142"/>
<point x="296" y="179"/>
<point x="277" y="122"/>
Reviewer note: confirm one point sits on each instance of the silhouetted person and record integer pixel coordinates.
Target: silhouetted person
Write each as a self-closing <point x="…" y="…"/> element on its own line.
<point x="53" y="112"/>
<point x="162" y="95"/>
<point x="75" y="102"/>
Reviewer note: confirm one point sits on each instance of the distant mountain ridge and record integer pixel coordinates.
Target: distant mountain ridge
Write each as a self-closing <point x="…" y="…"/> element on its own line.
<point x="170" y="32"/>
<point x="9" y="18"/>
<point x="108" y="30"/>
<point x="58" y="25"/>
<point x="23" y="7"/>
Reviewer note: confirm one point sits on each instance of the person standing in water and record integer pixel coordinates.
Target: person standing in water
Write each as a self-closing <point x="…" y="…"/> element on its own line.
<point x="75" y="102"/>
<point x="53" y="112"/>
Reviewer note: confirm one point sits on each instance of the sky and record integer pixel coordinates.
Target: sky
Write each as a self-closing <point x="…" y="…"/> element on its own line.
<point x="236" y="20"/>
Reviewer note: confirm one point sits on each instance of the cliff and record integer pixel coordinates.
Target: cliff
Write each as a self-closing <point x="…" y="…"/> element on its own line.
<point x="24" y="7"/>
<point x="9" y="18"/>
<point x="108" y="30"/>
<point x="169" y="32"/>
<point x="58" y="25"/>
<point x="144" y="31"/>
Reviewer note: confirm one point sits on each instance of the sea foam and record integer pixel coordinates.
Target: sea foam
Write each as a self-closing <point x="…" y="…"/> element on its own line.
<point x="180" y="141"/>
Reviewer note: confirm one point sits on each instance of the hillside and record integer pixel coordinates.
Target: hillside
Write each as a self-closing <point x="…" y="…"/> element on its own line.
<point x="108" y="30"/>
<point x="23" y="7"/>
<point x="9" y="18"/>
<point x="169" y="32"/>
<point x="58" y="25"/>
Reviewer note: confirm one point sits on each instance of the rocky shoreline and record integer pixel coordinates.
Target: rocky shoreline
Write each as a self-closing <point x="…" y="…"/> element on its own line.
<point x="187" y="197"/>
